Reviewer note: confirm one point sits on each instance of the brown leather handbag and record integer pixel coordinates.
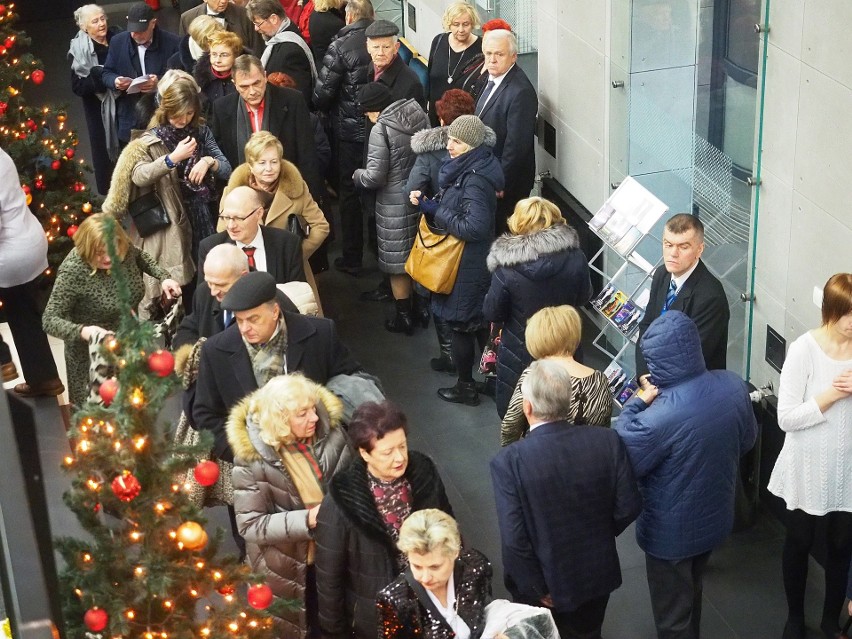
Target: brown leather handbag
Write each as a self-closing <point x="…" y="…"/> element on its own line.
<point x="434" y="259"/>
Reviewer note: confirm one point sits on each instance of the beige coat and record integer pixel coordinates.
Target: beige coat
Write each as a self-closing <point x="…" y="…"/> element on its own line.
<point x="140" y="169"/>
<point x="292" y="196"/>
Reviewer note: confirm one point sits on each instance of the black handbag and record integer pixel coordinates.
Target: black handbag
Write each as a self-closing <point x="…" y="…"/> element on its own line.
<point x="148" y="213"/>
<point x="298" y="226"/>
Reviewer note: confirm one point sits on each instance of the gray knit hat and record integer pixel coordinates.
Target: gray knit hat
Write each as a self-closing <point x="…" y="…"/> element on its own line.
<point x="469" y="129"/>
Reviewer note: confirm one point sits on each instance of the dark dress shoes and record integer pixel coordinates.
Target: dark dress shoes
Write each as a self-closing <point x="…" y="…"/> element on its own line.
<point x="50" y="388"/>
<point x="10" y="372"/>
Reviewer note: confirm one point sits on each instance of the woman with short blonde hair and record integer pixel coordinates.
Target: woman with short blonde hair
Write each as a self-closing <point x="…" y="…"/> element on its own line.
<point x="288" y="443"/>
<point x="214" y="69"/>
<point x="538" y="263"/>
<point x="430" y="530"/>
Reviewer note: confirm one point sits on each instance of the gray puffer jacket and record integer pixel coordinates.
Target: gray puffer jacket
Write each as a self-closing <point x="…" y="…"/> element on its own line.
<point x="389" y="161"/>
<point x="271" y="516"/>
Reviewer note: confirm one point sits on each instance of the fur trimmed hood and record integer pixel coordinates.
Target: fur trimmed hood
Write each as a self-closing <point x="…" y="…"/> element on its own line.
<point x="121" y="184"/>
<point x="290" y="183"/>
<point x="244" y="438"/>
<point x="511" y="250"/>
<point x="435" y="139"/>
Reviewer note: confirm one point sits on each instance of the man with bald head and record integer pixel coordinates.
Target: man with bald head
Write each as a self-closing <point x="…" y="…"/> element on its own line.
<point x="275" y="251"/>
<point x="224" y="265"/>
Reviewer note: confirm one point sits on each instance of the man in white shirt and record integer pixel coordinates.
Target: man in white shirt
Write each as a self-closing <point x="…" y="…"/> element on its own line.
<point x="684" y="284"/>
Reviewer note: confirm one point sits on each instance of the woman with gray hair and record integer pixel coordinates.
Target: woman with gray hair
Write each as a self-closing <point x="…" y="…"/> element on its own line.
<point x="88" y="52"/>
<point x="287" y="444"/>
<point x="445" y="589"/>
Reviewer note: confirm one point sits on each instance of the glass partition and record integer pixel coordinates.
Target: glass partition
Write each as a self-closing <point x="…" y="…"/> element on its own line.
<point x="684" y="119"/>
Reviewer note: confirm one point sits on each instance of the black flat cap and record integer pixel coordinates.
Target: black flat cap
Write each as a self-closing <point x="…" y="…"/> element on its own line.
<point x="381" y="29"/>
<point x="250" y="291"/>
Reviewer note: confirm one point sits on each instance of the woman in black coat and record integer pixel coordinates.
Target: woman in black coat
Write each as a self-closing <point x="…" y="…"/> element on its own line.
<point x="212" y="72"/>
<point x="538" y="263"/>
<point x="325" y="21"/>
<point x="359" y="520"/>
<point x="464" y="207"/>
<point x="88" y="52"/>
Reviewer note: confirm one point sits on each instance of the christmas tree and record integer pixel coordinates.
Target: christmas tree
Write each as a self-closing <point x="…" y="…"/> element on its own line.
<point x="148" y="570"/>
<point x="41" y="144"/>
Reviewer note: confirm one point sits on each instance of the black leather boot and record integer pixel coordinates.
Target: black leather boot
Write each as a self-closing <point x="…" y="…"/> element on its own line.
<point x="421" y="310"/>
<point x="461" y="393"/>
<point x="444" y="363"/>
<point x="402" y="322"/>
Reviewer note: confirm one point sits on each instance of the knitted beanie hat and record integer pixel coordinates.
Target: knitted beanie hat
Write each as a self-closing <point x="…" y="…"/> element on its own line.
<point x="469" y="129"/>
<point x="374" y="96"/>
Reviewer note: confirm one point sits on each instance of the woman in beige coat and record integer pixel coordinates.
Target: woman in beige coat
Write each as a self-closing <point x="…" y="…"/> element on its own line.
<point x="287" y="444"/>
<point x="284" y="193"/>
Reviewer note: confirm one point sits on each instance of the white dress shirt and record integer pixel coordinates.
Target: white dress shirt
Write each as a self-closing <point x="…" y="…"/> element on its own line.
<point x="260" y="252"/>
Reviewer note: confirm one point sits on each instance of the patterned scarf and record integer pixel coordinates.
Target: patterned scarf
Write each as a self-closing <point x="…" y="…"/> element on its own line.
<point x="268" y="360"/>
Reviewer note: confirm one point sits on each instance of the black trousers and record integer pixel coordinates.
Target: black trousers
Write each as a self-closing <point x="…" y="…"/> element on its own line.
<point x="350" y="156"/>
<point x="676" y="588"/>
<point x="584" y="622"/>
<point x="24" y="317"/>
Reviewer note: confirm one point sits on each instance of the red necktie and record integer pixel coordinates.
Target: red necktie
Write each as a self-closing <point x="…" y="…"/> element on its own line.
<point x="249" y="250"/>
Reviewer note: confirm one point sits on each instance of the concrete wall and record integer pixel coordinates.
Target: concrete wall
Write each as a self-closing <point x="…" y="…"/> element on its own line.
<point x="804" y="232"/>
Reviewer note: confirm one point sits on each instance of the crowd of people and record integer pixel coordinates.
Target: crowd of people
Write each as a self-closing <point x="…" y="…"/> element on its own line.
<point x="220" y="151"/>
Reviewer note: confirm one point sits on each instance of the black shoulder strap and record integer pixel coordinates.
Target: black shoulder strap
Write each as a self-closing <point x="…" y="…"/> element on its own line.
<point x="424" y="598"/>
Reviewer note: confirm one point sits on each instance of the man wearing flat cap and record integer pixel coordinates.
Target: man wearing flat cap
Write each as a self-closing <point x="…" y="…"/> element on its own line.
<point x="262" y="342"/>
<point x="387" y="67"/>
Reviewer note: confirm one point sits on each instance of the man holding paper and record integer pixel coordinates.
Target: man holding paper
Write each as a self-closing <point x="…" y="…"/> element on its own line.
<point x="135" y="62"/>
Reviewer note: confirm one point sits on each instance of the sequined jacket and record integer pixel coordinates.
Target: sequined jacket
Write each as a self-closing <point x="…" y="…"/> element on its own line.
<point x="356" y="556"/>
<point x="406" y="611"/>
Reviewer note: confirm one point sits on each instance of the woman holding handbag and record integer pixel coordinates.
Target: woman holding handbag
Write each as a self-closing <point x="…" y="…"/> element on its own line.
<point x="464" y="208"/>
<point x="286" y="198"/>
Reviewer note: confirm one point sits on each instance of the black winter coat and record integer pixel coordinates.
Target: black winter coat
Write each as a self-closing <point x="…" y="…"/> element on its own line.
<point x="469" y="183"/>
<point x="356" y="557"/>
<point x="529" y="272"/>
<point x="212" y="87"/>
<point x="344" y="70"/>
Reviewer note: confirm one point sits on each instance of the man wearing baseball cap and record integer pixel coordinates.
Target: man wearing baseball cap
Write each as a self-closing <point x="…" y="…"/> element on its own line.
<point x="140" y="52"/>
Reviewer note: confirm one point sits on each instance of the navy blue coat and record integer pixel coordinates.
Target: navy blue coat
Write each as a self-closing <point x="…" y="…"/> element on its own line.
<point x="123" y="60"/>
<point x="469" y="183"/>
<point x="529" y="272"/>
<point x="686" y="446"/>
<point x="563" y="494"/>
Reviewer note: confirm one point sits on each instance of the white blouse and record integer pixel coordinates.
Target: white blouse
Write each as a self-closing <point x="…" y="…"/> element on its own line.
<point x="449" y="612"/>
<point x="813" y="473"/>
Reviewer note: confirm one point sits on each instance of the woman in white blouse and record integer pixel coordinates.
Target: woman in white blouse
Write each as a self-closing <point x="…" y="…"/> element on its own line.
<point x="813" y="473"/>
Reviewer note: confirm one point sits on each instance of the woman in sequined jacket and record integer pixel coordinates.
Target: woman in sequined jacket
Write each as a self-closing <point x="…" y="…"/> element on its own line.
<point x="443" y="592"/>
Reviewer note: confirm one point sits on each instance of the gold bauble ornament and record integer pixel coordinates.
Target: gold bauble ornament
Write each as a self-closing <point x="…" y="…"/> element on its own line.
<point x="192" y="535"/>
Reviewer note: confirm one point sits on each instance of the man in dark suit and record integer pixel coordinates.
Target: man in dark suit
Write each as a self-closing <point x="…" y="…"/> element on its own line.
<point x="387" y="67"/>
<point x="509" y="105"/>
<point x="563" y="495"/>
<point x="262" y="342"/>
<point x="275" y="251"/>
<point x="143" y="50"/>
<point x="224" y="265"/>
<point x="233" y="18"/>
<point x="260" y="106"/>
<point x="683" y="283"/>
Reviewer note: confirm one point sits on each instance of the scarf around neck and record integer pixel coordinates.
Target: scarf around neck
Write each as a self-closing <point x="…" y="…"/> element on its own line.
<point x="284" y="35"/>
<point x="83" y="60"/>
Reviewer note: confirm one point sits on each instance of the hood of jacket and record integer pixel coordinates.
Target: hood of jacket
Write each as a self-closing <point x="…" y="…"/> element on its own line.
<point x="435" y="139"/>
<point x="480" y="161"/>
<point x="121" y="184"/>
<point x="523" y="250"/>
<point x="244" y="435"/>
<point x="290" y="182"/>
<point x="404" y="115"/>
<point x="672" y="349"/>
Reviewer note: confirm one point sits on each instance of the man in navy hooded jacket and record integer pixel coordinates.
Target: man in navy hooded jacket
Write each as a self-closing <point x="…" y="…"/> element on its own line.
<point x="685" y="435"/>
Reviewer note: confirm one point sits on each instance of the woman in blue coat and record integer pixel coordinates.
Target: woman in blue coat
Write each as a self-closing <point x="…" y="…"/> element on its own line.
<point x="538" y="263"/>
<point x="465" y="205"/>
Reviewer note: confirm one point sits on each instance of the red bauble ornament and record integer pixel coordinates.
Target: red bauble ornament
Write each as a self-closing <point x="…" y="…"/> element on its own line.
<point x="69" y="153"/>
<point x="2" y="50"/>
<point x="95" y="619"/>
<point x="3" y="107"/>
<point x="108" y="390"/>
<point x="227" y="589"/>
<point x="126" y="487"/>
<point x="31" y="125"/>
<point x="161" y="363"/>
<point x="56" y="165"/>
<point x="206" y="473"/>
<point x="259" y="596"/>
<point x="26" y="189"/>
<point x="9" y="43"/>
<point x="39" y="184"/>
<point x="71" y="230"/>
<point x="2" y="8"/>
<point x="37" y="76"/>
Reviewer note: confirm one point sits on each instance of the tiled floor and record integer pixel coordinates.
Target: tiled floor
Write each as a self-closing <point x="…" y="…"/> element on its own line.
<point x="743" y="595"/>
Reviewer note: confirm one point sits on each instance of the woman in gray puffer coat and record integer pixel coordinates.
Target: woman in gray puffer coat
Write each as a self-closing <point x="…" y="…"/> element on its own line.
<point x="287" y="444"/>
<point x="389" y="161"/>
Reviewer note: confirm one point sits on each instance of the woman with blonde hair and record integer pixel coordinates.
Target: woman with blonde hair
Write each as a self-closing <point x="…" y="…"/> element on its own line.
<point x="195" y="43"/>
<point x="176" y="159"/>
<point x="554" y="333"/>
<point x="537" y="263"/>
<point x="288" y="443"/>
<point x="84" y="302"/>
<point x="283" y="192"/>
<point x="212" y="72"/>
<point x="455" y="57"/>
